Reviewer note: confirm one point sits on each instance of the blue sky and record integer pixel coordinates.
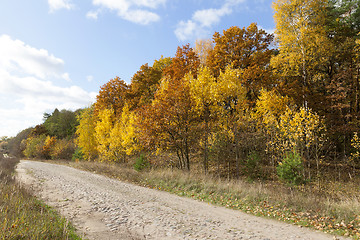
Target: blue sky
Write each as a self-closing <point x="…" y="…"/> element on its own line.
<point x="57" y="53"/>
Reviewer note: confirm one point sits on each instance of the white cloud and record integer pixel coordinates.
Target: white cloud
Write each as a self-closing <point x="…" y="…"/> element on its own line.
<point x="149" y="3"/>
<point x="188" y="29"/>
<point x="92" y="14"/>
<point x="130" y="10"/>
<point x="59" y="4"/>
<point x="27" y="89"/>
<point x="209" y="17"/>
<point x="141" y="17"/>
<point x="203" y="20"/>
<point x="18" y="57"/>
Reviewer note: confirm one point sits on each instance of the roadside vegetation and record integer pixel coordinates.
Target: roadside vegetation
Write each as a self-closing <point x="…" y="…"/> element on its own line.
<point x="22" y="216"/>
<point x="266" y="123"/>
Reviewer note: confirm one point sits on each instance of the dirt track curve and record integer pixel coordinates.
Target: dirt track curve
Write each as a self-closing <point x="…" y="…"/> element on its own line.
<point x="103" y="208"/>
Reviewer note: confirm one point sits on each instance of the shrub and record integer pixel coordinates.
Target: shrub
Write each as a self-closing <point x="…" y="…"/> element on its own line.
<point x="63" y="149"/>
<point x="78" y="155"/>
<point x="291" y="168"/>
<point x="141" y="163"/>
<point x="34" y="147"/>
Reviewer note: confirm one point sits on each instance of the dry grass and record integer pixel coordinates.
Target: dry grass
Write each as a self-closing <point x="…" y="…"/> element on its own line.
<point x="22" y="216"/>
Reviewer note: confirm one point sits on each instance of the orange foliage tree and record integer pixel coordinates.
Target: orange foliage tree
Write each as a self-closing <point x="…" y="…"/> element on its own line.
<point x="143" y="86"/>
<point x="112" y="95"/>
<point x="170" y="122"/>
<point x="246" y="49"/>
<point x="184" y="61"/>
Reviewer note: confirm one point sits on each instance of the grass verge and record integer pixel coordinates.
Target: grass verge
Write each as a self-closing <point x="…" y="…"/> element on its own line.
<point x="332" y="207"/>
<point x="22" y="216"/>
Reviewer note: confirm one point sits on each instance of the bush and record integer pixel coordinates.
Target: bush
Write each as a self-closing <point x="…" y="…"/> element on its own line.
<point x="141" y="163"/>
<point x="63" y="149"/>
<point x="34" y="147"/>
<point x="291" y="168"/>
<point x="78" y="155"/>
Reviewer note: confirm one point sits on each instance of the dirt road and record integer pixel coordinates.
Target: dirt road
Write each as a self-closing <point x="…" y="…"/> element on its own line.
<point x="103" y="208"/>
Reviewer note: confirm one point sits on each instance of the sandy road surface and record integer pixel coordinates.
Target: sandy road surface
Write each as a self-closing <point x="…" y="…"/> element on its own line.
<point x="102" y="208"/>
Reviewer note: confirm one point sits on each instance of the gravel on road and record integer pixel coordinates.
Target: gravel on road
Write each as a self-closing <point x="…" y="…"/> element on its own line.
<point x="104" y="208"/>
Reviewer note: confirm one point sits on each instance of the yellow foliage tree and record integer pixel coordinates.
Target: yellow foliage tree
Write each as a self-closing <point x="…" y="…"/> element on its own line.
<point x="288" y="129"/>
<point x="303" y="44"/>
<point x="123" y="135"/>
<point x="85" y="133"/>
<point x="104" y="125"/>
<point x="300" y="129"/>
<point x="202" y="89"/>
<point x="270" y="106"/>
<point x="48" y="145"/>
<point x="232" y="107"/>
<point x="202" y="49"/>
<point x="228" y="90"/>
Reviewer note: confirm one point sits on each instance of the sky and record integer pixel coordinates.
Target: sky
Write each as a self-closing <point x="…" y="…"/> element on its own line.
<point x="57" y="53"/>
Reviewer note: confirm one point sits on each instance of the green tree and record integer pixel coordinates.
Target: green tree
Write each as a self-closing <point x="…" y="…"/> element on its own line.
<point x="61" y="124"/>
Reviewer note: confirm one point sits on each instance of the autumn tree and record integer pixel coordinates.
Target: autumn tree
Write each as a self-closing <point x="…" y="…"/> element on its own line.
<point x="162" y="63"/>
<point x="48" y="146"/>
<point x="85" y="133"/>
<point x="203" y="47"/>
<point x="303" y="47"/>
<point x="289" y="128"/>
<point x="124" y="136"/>
<point x="170" y="122"/>
<point x="269" y="108"/>
<point x="112" y="95"/>
<point x="246" y="49"/>
<point x="34" y="146"/>
<point x="104" y="125"/>
<point x="230" y="96"/>
<point x="202" y="90"/>
<point x="185" y="61"/>
<point x="144" y="84"/>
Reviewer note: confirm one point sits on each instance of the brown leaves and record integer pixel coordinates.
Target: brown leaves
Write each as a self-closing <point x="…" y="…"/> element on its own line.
<point x="169" y="123"/>
<point x="185" y="61"/>
<point x="112" y="95"/>
<point x="246" y="49"/>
